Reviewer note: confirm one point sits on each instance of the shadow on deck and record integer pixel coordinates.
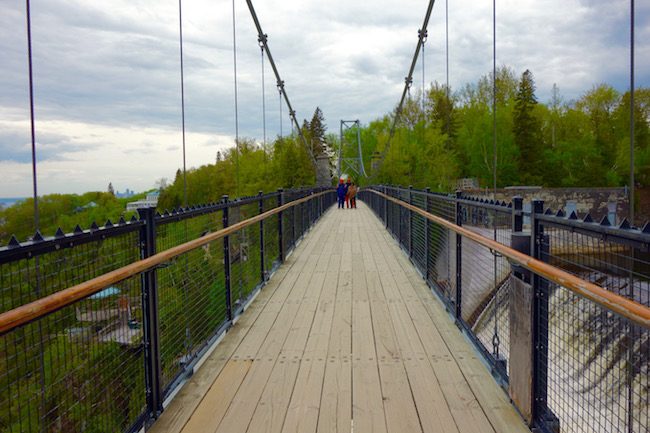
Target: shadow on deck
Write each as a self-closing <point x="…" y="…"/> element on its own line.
<point x="345" y="337"/>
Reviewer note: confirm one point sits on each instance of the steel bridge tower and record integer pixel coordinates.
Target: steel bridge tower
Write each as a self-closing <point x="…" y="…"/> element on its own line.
<point x="353" y="164"/>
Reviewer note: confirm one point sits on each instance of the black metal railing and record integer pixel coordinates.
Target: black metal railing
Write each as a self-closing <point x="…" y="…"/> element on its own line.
<point x="108" y="361"/>
<point x="569" y="363"/>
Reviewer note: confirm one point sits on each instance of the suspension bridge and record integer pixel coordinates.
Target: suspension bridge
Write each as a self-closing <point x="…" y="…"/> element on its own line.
<point x="417" y="312"/>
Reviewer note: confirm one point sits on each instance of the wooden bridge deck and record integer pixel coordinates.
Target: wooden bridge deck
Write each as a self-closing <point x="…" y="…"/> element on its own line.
<point x="345" y="338"/>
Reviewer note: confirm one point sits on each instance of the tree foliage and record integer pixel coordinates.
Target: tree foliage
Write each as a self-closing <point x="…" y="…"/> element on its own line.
<point x="580" y="143"/>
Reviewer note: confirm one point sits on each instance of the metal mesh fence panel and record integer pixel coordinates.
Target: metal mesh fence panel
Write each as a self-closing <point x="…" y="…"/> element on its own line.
<point x="596" y="363"/>
<point x="78" y="369"/>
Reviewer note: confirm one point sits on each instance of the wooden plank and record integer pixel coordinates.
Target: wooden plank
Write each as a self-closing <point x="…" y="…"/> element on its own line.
<point x="493" y="401"/>
<point x="367" y="398"/>
<point x="467" y="413"/>
<point x="304" y="408"/>
<point x="246" y="400"/>
<point x="221" y="393"/>
<point x="433" y="411"/>
<point x="400" y="410"/>
<point x="270" y="413"/>
<point x="336" y="397"/>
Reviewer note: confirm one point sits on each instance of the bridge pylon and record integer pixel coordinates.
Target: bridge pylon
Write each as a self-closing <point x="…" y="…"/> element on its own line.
<point x="353" y="164"/>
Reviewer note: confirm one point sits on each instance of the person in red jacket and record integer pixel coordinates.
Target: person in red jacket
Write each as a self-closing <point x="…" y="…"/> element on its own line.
<point x="347" y="193"/>
<point x="352" y="193"/>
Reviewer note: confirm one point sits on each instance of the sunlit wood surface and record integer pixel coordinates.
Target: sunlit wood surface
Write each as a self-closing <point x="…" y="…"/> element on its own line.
<point x="346" y="337"/>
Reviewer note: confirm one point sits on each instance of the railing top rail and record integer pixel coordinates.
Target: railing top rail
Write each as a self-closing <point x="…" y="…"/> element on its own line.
<point x="627" y="308"/>
<point x="26" y="250"/>
<point x="622" y="232"/>
<point x="32" y="311"/>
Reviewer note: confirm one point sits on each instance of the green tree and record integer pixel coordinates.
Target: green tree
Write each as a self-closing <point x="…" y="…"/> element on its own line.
<point x="317" y="133"/>
<point x="527" y="131"/>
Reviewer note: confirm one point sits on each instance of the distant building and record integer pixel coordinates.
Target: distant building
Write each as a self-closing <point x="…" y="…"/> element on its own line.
<point x="150" y="201"/>
<point x="126" y="194"/>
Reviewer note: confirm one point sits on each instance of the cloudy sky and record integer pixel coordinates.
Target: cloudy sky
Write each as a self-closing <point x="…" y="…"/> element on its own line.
<point x="107" y="77"/>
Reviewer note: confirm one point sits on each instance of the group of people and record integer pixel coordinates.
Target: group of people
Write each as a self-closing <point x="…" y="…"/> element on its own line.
<point x="347" y="194"/>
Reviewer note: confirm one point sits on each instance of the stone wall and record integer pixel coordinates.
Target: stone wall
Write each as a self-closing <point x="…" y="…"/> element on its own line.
<point x="594" y="201"/>
<point x="323" y="172"/>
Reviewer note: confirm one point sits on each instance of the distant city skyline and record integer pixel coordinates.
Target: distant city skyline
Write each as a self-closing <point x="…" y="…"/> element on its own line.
<point x="107" y="79"/>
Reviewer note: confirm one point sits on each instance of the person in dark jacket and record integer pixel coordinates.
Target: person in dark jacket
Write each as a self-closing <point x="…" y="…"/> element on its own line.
<point x="341" y="191"/>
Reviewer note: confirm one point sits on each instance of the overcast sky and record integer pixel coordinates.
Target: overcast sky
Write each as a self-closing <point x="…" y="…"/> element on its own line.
<point x="107" y="74"/>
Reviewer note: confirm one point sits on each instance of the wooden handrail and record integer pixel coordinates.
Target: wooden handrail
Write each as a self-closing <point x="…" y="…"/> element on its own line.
<point x="634" y="311"/>
<point x="41" y="307"/>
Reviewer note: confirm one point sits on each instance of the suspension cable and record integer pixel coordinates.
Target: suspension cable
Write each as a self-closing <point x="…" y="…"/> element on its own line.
<point x="234" y="54"/>
<point x="180" y="33"/>
<point x="31" y="113"/>
<point x="409" y="78"/>
<point x="292" y="114"/>
<point x="280" y="95"/>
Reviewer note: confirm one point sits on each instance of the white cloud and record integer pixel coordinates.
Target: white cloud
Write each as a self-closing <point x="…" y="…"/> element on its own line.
<point x="107" y="74"/>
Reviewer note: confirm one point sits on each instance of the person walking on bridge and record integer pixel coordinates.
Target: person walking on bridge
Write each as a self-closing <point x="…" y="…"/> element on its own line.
<point x="347" y="193"/>
<point x="352" y="193"/>
<point x="341" y="192"/>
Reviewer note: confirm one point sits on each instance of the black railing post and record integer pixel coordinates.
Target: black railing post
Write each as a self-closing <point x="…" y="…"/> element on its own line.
<point x="459" y="260"/>
<point x="427" y="228"/>
<point x="399" y="217"/>
<point x="293" y="223"/>
<point x="540" y="250"/>
<point x="280" y="224"/>
<point x="385" y="201"/>
<point x="226" y="260"/>
<point x="262" y="264"/>
<point x="410" y="201"/>
<point x="150" y="320"/>
<point x="517" y="216"/>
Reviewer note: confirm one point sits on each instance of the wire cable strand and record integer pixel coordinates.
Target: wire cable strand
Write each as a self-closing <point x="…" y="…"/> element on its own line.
<point x="234" y="55"/>
<point x="31" y="113"/>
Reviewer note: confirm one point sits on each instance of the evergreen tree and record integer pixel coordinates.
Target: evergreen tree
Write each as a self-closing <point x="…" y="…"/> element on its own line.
<point x="111" y="191"/>
<point x="317" y="133"/>
<point x="526" y="129"/>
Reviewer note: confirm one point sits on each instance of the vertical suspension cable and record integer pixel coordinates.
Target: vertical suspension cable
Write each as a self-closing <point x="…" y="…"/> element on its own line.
<point x="447" y="65"/>
<point x="630" y="284"/>
<point x="234" y="54"/>
<point x="632" y="111"/>
<point x="36" y="215"/>
<point x="495" y="338"/>
<point x="180" y="33"/>
<point x="188" y="335"/>
<point x="31" y="113"/>
<point x="494" y="95"/>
